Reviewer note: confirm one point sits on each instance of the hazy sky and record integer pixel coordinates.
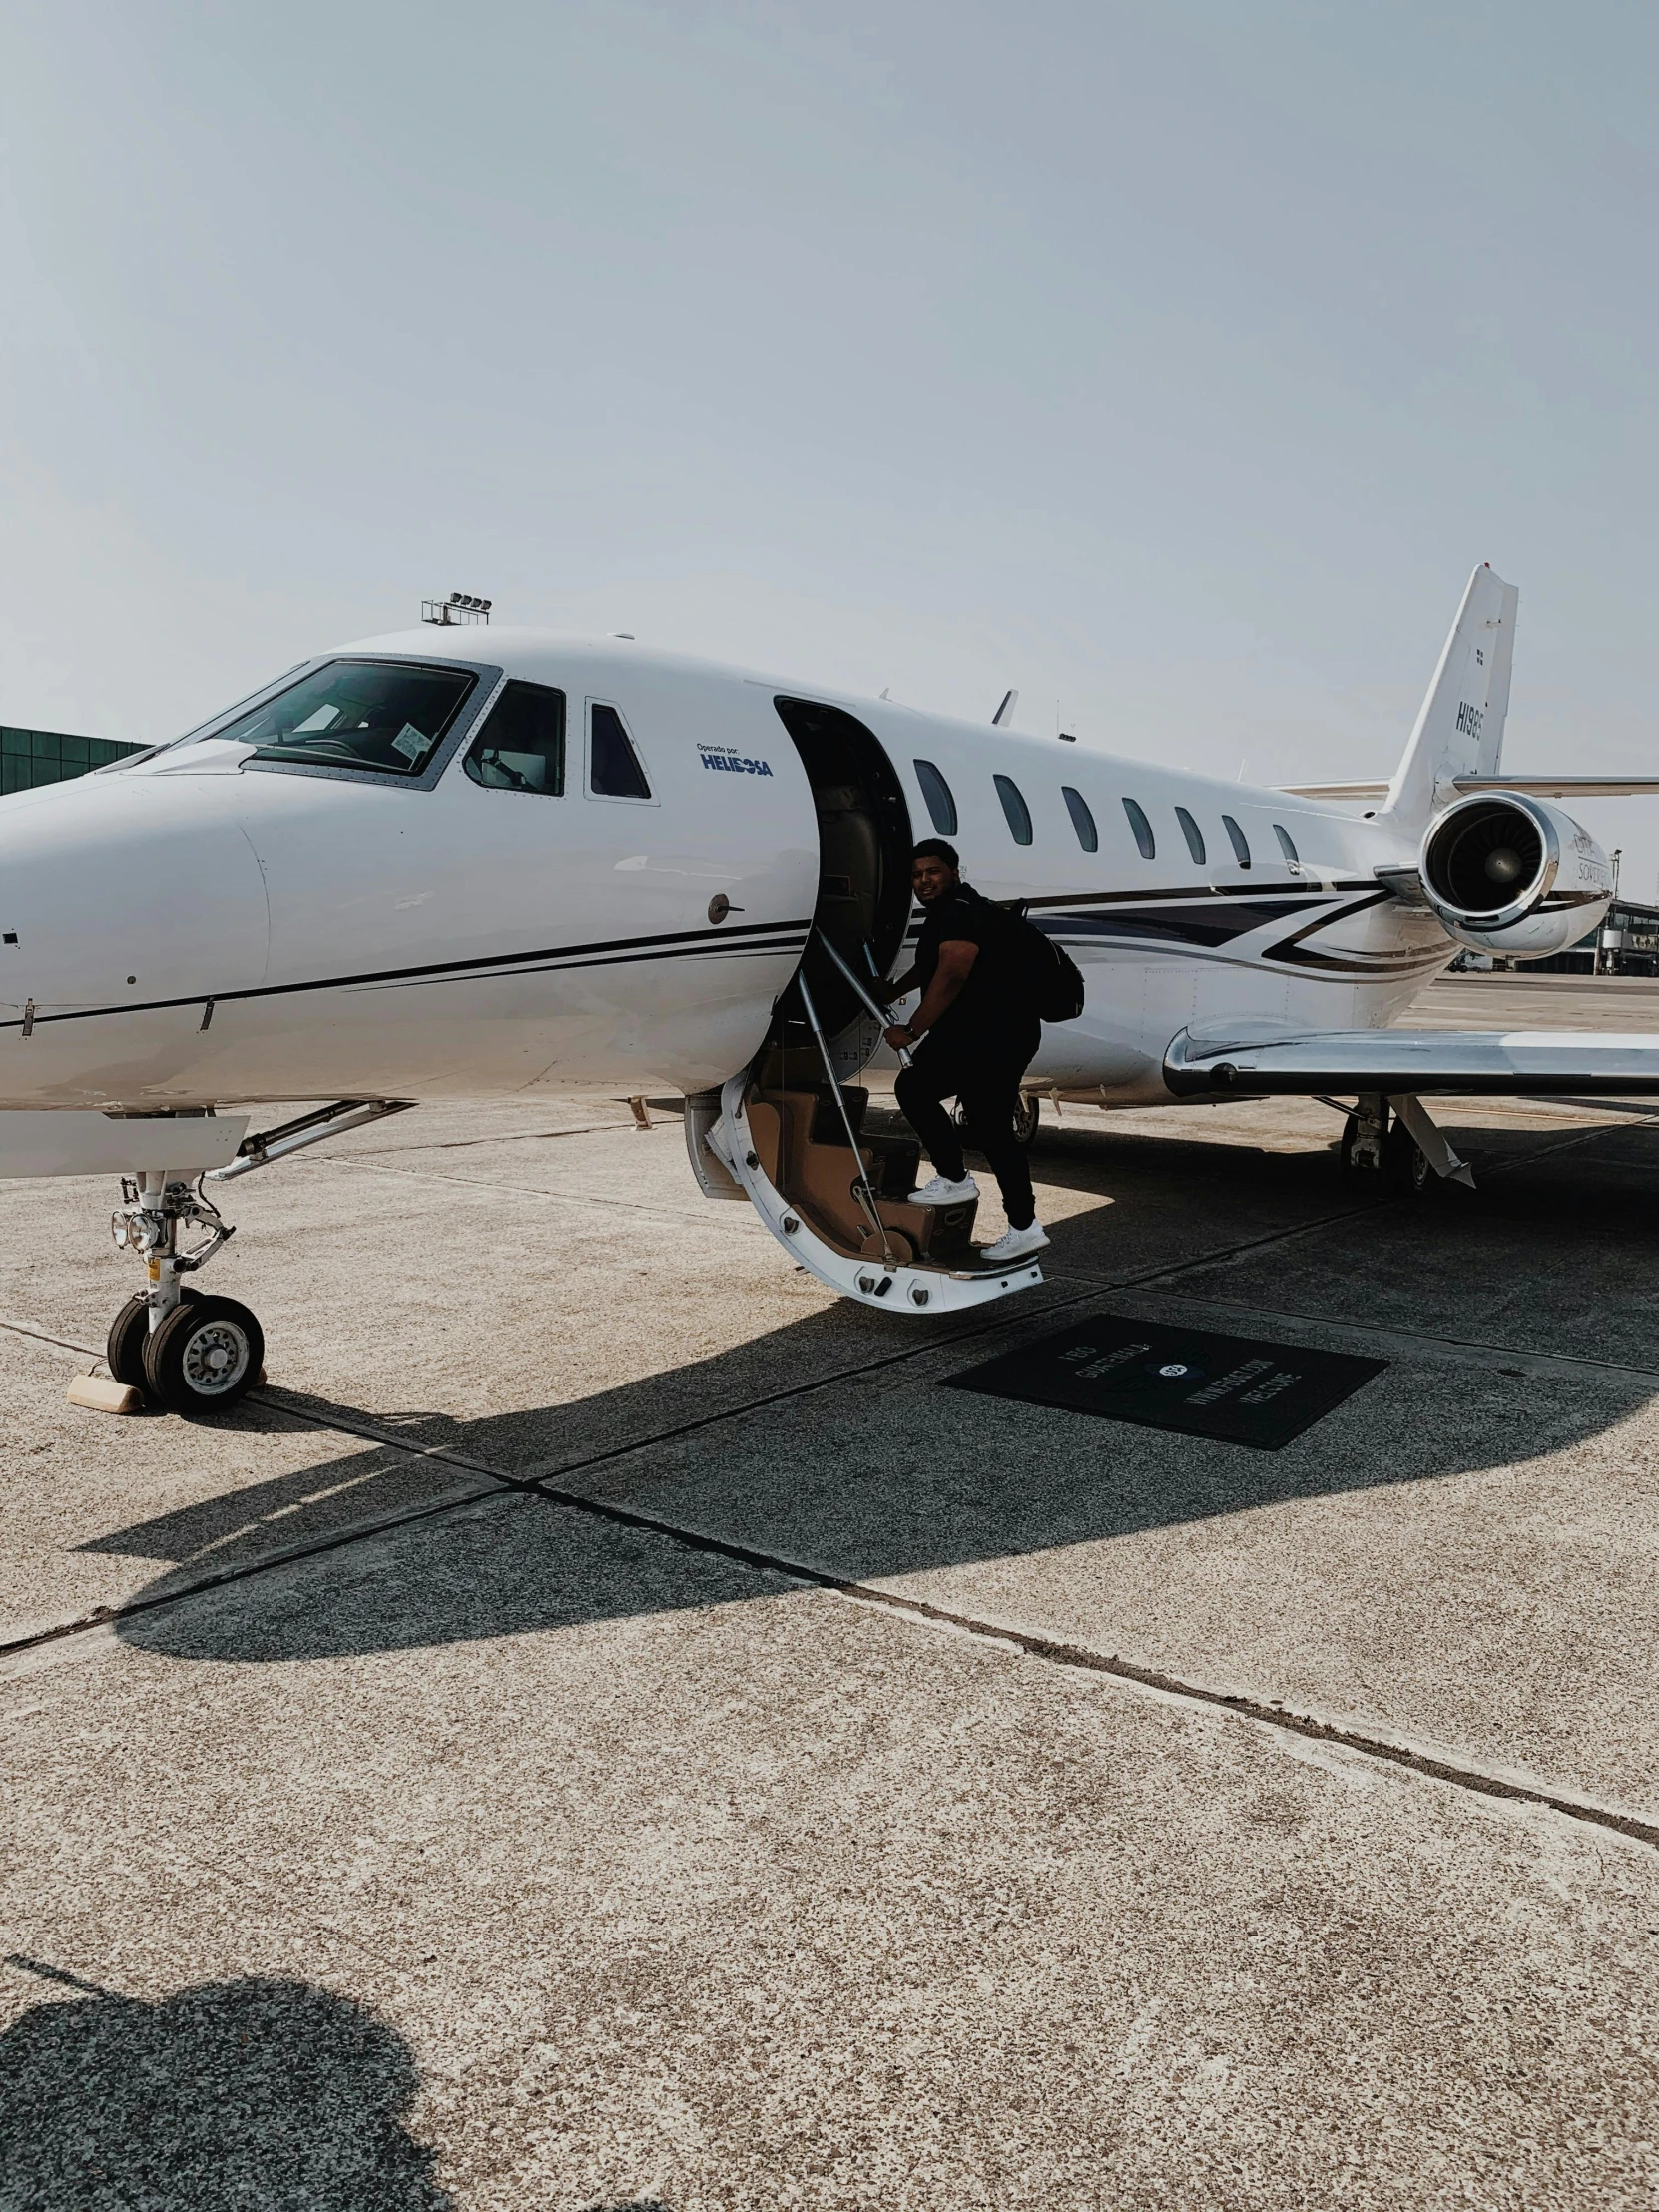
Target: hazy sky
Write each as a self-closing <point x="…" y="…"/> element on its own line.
<point x="1173" y="362"/>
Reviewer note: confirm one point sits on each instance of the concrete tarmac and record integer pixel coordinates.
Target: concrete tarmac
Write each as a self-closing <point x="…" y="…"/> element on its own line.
<point x="604" y="1727"/>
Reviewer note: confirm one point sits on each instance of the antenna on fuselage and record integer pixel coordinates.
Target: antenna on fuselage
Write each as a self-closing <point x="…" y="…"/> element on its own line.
<point x="1010" y="700"/>
<point x="460" y="606"/>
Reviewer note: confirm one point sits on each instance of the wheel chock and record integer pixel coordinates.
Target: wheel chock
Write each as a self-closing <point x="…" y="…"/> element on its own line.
<point x="102" y="1393"/>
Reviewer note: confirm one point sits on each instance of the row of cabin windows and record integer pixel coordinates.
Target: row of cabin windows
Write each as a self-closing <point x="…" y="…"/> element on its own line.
<point x="941" y="804"/>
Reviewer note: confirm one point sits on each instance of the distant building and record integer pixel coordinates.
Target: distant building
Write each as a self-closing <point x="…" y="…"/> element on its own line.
<point x="1629" y="945"/>
<point x="31" y="757"/>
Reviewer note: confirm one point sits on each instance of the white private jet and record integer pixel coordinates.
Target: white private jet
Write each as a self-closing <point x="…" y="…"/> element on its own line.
<point x="467" y="863"/>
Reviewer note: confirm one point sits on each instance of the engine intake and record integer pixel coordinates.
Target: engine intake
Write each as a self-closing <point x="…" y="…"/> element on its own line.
<point x="1485" y="856"/>
<point x="1511" y="875"/>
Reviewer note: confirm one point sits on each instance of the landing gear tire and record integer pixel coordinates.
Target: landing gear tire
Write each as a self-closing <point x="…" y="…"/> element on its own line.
<point x="1407" y="1166"/>
<point x="1027" y="1114"/>
<point x="204" y="1357"/>
<point x="129" y="1333"/>
<point x="124" y="1346"/>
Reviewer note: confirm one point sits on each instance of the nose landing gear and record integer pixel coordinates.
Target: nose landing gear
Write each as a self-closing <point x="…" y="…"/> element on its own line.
<point x="190" y="1352"/>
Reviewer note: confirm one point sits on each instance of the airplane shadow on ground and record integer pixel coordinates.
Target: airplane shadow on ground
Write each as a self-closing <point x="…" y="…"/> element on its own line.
<point x="865" y="1481"/>
<point x="244" y="2093"/>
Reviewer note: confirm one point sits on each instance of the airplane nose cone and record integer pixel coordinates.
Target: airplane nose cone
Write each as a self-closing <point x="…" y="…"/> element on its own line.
<point x="126" y="902"/>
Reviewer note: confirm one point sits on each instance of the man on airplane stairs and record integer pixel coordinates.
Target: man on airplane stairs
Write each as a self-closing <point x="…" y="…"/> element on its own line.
<point x="973" y="1036"/>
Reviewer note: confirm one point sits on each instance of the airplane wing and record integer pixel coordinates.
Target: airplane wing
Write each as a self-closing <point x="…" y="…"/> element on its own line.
<point x="1534" y="787"/>
<point x="1517" y="1063"/>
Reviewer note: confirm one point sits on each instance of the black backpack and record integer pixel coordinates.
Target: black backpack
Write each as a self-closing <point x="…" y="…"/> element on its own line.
<point x="1047" y="969"/>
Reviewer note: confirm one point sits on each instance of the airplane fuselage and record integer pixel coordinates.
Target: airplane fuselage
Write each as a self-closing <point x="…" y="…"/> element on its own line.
<point x="204" y="927"/>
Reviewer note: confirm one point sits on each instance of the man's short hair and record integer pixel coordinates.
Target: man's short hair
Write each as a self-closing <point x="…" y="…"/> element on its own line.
<point x="935" y="848"/>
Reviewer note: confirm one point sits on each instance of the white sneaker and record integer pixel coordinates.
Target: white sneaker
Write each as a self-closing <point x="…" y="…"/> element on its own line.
<point x="940" y="1191"/>
<point x="1014" y="1244"/>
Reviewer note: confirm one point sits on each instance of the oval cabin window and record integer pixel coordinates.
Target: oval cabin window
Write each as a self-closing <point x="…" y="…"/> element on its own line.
<point x="1014" y="807"/>
<point x="941" y="804"/>
<point x="1193" y="834"/>
<point x="1082" y="821"/>
<point x="1236" y="838"/>
<point x="1144" y="840"/>
<point x="1287" y="848"/>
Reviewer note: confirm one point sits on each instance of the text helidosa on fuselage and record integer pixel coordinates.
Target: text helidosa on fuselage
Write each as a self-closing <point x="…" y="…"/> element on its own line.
<point x="734" y="763"/>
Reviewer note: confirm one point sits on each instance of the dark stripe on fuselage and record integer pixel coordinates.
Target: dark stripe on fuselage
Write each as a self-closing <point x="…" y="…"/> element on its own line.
<point x="576" y="967"/>
<point x="1202" y="919"/>
<point x="1211" y="924"/>
<point x="790" y="937"/>
<point x="1206" y="917"/>
<point x="1315" y="889"/>
<point x="1294" y="952"/>
<point x="1205" y="928"/>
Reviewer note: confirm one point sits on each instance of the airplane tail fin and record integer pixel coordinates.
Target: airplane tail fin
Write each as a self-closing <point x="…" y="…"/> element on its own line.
<point x="1459" y="728"/>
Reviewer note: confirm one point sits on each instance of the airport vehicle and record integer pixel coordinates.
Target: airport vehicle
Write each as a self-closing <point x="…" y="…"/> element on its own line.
<point x="470" y="862"/>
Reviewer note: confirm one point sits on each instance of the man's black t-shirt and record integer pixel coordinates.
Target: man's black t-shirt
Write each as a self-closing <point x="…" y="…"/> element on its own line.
<point x="993" y="1007"/>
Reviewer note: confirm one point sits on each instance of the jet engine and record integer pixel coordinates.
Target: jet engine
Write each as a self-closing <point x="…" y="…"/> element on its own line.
<point x="1514" y="876"/>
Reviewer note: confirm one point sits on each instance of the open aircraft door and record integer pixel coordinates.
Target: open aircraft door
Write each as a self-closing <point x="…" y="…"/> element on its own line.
<point x="788" y="1131"/>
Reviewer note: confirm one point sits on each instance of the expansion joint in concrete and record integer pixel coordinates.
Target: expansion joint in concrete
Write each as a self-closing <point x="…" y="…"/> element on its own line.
<point x="1434" y="1766"/>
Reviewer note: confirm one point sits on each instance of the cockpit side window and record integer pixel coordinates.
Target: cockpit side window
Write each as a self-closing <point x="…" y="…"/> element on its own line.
<point x="385" y="715"/>
<point x="521" y="746"/>
<point x="614" y="770"/>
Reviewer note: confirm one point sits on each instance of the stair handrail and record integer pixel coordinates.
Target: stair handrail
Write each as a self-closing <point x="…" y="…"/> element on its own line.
<point x="862" y="1186"/>
<point x="879" y="1014"/>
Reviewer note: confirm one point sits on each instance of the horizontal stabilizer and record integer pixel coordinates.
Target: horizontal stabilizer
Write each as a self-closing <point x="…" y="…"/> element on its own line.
<point x="1565" y="787"/>
<point x="1517" y="1063"/>
<point x="1533" y="787"/>
<point x="1333" y="791"/>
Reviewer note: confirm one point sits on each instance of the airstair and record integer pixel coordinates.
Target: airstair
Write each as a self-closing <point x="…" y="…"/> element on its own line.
<point x="787" y="1133"/>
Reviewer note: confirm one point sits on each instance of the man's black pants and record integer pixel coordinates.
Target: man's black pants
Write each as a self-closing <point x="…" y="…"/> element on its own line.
<point x="985" y="1074"/>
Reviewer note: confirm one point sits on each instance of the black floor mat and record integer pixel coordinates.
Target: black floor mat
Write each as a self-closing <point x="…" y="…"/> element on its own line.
<point x="1191" y="1380"/>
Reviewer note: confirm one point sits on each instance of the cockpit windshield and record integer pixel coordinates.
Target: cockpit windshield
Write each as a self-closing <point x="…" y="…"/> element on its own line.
<point x="388" y="716"/>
